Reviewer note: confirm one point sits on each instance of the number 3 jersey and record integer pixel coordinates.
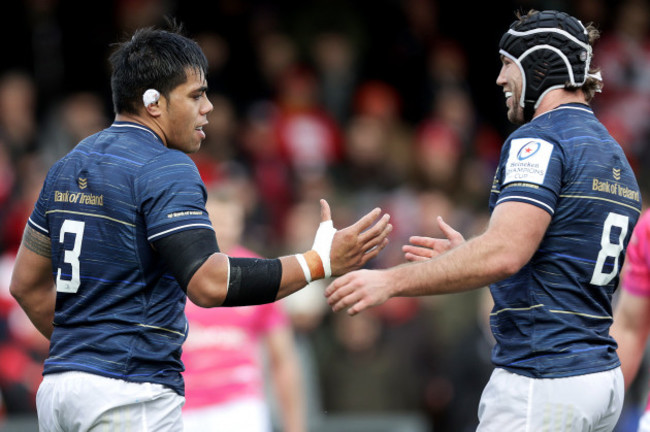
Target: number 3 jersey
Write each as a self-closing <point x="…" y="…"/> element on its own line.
<point x="551" y="319"/>
<point x="119" y="313"/>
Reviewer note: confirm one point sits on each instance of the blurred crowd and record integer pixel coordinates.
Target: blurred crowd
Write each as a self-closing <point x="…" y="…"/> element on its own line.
<point x="385" y="103"/>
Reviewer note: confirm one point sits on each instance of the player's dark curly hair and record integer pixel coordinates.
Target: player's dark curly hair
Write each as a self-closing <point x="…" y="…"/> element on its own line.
<point x="152" y="58"/>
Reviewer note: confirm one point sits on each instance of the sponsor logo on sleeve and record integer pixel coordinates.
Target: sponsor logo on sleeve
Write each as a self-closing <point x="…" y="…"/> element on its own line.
<point x="528" y="160"/>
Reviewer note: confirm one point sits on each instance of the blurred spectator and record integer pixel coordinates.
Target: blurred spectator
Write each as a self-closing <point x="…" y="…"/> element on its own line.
<point x="269" y="171"/>
<point x="354" y="358"/>
<point x="336" y="63"/>
<point x="225" y="349"/>
<point x="452" y="134"/>
<point x="221" y="143"/>
<point x="418" y="33"/>
<point x="23" y="349"/>
<point x="18" y="119"/>
<point x="78" y="115"/>
<point x="275" y="54"/>
<point x="469" y="368"/>
<point x="308" y="136"/>
<point x="623" y="54"/>
<point x="389" y="353"/>
<point x="380" y="100"/>
<point x="217" y="51"/>
<point x="46" y="48"/>
<point x="307" y="308"/>
<point x="446" y="66"/>
<point x="134" y="14"/>
<point x="15" y="214"/>
<point x="591" y="11"/>
<point x="291" y="144"/>
<point x="412" y="329"/>
<point x="367" y="167"/>
<point x="8" y="177"/>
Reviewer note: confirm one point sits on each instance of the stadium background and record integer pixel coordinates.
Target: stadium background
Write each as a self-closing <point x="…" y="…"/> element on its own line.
<point x="390" y="103"/>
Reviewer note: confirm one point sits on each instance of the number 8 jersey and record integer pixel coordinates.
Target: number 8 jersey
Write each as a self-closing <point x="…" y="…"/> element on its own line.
<point x="551" y="319"/>
<point x="119" y="313"/>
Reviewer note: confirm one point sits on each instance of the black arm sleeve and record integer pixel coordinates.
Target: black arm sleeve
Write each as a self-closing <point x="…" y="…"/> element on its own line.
<point x="253" y="281"/>
<point x="186" y="251"/>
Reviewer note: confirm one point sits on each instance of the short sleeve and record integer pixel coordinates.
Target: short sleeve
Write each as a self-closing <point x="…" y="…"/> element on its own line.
<point x="38" y="217"/>
<point x="171" y="195"/>
<point x="530" y="171"/>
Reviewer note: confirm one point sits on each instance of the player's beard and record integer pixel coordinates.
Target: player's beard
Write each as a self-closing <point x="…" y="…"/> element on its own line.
<point x="515" y="111"/>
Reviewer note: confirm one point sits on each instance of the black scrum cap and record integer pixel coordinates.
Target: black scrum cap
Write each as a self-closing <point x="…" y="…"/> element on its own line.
<point x="551" y="49"/>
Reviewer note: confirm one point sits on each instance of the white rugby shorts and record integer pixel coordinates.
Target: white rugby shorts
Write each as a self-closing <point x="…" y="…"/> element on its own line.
<point x="516" y="403"/>
<point x="83" y="402"/>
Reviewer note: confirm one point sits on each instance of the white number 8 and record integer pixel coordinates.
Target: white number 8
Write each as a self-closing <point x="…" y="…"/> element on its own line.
<point x="71" y="256"/>
<point x="609" y="249"/>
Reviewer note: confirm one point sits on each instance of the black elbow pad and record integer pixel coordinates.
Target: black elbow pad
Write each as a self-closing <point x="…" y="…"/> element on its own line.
<point x="186" y="251"/>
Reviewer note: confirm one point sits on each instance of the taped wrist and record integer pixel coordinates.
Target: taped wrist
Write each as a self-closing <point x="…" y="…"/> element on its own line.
<point x="312" y="265"/>
<point x="253" y="281"/>
<point x="323" y="244"/>
<point x="186" y="251"/>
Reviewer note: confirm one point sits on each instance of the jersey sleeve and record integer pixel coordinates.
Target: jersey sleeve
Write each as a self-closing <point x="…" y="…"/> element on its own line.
<point x="530" y="171"/>
<point x="38" y="218"/>
<point x="171" y="195"/>
<point x="636" y="277"/>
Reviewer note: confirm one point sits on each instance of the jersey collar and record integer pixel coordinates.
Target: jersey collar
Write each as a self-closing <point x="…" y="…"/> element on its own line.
<point x="127" y="124"/>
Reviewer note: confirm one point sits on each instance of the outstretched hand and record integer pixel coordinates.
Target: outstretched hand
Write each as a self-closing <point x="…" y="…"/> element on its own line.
<point x="359" y="290"/>
<point x="424" y="248"/>
<point x="355" y="245"/>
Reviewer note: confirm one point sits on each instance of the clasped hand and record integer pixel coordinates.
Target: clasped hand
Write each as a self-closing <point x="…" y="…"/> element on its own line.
<point x="362" y="289"/>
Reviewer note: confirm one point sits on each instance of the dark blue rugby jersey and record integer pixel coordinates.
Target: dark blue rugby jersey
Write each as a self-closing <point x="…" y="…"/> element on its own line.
<point x="552" y="318"/>
<point x="119" y="313"/>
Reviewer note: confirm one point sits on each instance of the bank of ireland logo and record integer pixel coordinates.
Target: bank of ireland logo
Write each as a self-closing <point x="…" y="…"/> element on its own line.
<point x="528" y="150"/>
<point x="82" y="182"/>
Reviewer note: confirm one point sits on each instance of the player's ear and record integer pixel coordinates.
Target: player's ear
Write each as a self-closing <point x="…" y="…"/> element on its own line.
<point x="150" y="100"/>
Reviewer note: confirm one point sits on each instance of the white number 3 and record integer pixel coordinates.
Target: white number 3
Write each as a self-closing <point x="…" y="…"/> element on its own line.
<point x="609" y="249"/>
<point x="71" y="256"/>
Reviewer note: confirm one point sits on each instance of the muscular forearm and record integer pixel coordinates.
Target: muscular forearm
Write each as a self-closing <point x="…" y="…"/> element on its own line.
<point x="501" y="251"/>
<point x="32" y="285"/>
<point x="39" y="307"/>
<point x="630" y="330"/>
<point x="293" y="278"/>
<point x="474" y="264"/>
<point x="630" y="352"/>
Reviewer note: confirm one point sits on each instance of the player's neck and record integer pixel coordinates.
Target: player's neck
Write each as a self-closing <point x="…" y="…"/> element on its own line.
<point x="135" y="118"/>
<point x="557" y="97"/>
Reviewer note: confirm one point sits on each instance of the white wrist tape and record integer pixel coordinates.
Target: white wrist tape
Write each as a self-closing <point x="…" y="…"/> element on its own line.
<point x="305" y="268"/>
<point x="323" y="244"/>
